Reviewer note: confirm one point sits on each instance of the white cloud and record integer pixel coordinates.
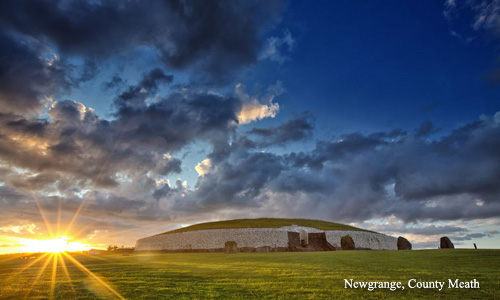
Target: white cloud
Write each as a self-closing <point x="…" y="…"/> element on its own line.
<point x="203" y="167"/>
<point x="253" y="109"/>
<point x="28" y="228"/>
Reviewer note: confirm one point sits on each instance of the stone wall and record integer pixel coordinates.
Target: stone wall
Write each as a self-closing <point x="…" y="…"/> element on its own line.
<point x="364" y="240"/>
<point x="256" y="237"/>
<point x="214" y="239"/>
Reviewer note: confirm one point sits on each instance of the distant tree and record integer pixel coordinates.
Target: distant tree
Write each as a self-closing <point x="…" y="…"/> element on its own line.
<point x="115" y="247"/>
<point x="110" y="248"/>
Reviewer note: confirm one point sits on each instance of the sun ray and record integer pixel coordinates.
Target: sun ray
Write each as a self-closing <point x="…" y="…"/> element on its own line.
<point x="78" y="234"/>
<point x="29" y="265"/>
<point x="47" y="224"/>
<point x="65" y="270"/>
<point x="59" y="217"/>
<point x="54" y="274"/>
<point x="39" y="274"/>
<point x="84" y="201"/>
<point x="75" y="216"/>
<point x="92" y="275"/>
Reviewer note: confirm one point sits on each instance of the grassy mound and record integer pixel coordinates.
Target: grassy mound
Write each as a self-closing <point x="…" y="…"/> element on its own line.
<point x="266" y="223"/>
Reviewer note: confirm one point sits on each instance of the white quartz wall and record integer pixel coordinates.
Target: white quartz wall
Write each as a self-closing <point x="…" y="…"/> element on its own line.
<point x="363" y="239"/>
<point x="215" y="238"/>
<point x="256" y="237"/>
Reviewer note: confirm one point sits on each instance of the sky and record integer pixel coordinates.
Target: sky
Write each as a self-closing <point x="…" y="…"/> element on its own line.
<point x="124" y="119"/>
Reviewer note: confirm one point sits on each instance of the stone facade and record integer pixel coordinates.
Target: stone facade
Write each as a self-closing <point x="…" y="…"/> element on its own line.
<point x="364" y="240"/>
<point x="214" y="239"/>
<point x="252" y="238"/>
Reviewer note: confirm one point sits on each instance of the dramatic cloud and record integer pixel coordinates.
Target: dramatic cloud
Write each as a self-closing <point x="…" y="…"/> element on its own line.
<point x="252" y="109"/>
<point x="78" y="143"/>
<point x="292" y="130"/>
<point x="213" y="37"/>
<point x="203" y="167"/>
<point x="359" y="177"/>
<point x="180" y="139"/>
<point x="28" y="81"/>
<point x="136" y="96"/>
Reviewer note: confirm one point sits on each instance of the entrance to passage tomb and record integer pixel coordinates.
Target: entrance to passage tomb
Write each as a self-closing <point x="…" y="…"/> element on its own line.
<point x="315" y="241"/>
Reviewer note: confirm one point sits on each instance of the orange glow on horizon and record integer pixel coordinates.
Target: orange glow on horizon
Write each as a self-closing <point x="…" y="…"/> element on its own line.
<point x="54" y="245"/>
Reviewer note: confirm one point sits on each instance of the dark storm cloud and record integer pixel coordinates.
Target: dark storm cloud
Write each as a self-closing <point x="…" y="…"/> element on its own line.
<point x="296" y="129"/>
<point x="124" y="160"/>
<point x="217" y="35"/>
<point x="402" y="227"/>
<point x="9" y="195"/>
<point x="212" y="36"/>
<point x="116" y="81"/>
<point x="346" y="146"/>
<point x="425" y="129"/>
<point x="136" y="95"/>
<point x="355" y="178"/>
<point x="78" y="144"/>
<point x="436" y="230"/>
<point x="178" y="119"/>
<point x="102" y="212"/>
<point x="25" y="77"/>
<point x="362" y="176"/>
<point x="38" y="39"/>
<point x="472" y="236"/>
<point x="50" y="47"/>
<point x="238" y="183"/>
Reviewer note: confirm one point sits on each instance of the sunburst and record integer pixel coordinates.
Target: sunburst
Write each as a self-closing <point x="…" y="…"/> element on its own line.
<point x="55" y="249"/>
<point x="57" y="245"/>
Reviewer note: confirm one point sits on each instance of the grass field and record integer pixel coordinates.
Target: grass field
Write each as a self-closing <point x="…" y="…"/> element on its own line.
<point x="309" y="275"/>
<point x="266" y="223"/>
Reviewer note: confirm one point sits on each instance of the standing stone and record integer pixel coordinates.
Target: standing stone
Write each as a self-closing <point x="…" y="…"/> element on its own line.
<point x="347" y="243"/>
<point x="446" y="243"/>
<point x="403" y="244"/>
<point x="230" y="247"/>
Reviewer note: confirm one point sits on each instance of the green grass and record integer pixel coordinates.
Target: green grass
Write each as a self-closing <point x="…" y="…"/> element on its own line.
<point x="309" y="275"/>
<point x="266" y="223"/>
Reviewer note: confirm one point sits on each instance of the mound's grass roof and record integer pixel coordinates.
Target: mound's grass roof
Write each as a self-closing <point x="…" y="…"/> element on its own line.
<point x="266" y="223"/>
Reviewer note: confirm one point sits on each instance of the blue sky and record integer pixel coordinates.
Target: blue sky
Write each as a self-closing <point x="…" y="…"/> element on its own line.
<point x="144" y="117"/>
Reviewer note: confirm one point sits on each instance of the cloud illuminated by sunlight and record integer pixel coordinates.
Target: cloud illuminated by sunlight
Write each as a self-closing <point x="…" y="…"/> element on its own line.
<point x="203" y="167"/>
<point x="252" y="109"/>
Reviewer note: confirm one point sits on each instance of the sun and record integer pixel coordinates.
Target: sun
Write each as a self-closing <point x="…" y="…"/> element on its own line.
<point x="54" y="245"/>
<point x="57" y="245"/>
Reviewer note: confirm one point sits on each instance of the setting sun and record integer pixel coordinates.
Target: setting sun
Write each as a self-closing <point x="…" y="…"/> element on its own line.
<point x="56" y="245"/>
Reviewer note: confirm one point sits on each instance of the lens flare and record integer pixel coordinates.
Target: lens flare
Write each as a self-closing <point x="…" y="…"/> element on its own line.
<point x="55" y="245"/>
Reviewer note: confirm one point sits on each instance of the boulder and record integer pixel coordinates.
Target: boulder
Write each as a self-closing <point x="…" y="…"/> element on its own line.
<point x="403" y="244"/>
<point x="347" y="243"/>
<point x="230" y="247"/>
<point x="445" y="243"/>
